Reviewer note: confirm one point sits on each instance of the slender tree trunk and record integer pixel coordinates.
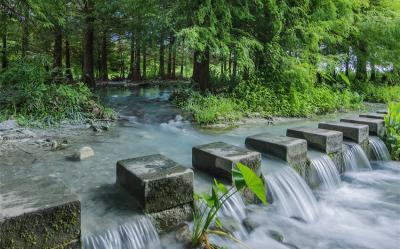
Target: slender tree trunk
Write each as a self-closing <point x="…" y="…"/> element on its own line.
<point x="183" y="57"/>
<point x="4" y="59"/>
<point x="174" y="61"/>
<point x="373" y="72"/>
<point x="201" y="69"/>
<point x="144" y="74"/>
<point x="25" y="37"/>
<point x="230" y="63"/>
<point x="104" y="57"/>
<point x="57" y="66"/>
<point x="132" y="58"/>
<point x="347" y="69"/>
<point x="161" y="70"/>
<point x="88" y="73"/>
<point x="136" y="71"/>
<point x="68" y="70"/>
<point x="234" y="65"/>
<point x="170" y="45"/>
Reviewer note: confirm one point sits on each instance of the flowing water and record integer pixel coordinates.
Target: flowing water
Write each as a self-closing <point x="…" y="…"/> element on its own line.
<point x="379" y="149"/>
<point x="327" y="172"/>
<point x="362" y="213"/>
<point x="355" y="157"/>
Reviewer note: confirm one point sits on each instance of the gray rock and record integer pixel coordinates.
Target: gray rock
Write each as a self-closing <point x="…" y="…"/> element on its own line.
<point x="382" y="112"/>
<point x="276" y="235"/>
<point x="321" y="139"/>
<point x="373" y="115"/>
<point x="168" y="219"/>
<point x="39" y="212"/>
<point x="219" y="158"/>
<point x="291" y="150"/>
<point x="376" y="126"/>
<point x="183" y="234"/>
<point x="157" y="182"/>
<point x="83" y="153"/>
<point x="355" y="132"/>
<point x="250" y="224"/>
<point x="8" y="125"/>
<point x="18" y="134"/>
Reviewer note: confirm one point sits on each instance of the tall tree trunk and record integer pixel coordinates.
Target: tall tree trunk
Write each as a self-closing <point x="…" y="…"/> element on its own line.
<point x="136" y="71"/>
<point x="57" y="66"/>
<point x="4" y="59"/>
<point x="201" y="69"/>
<point x="25" y="38"/>
<point x="183" y="56"/>
<point x="88" y="72"/>
<point x="361" y="70"/>
<point x="161" y="70"/>
<point x="170" y="45"/>
<point x="68" y="70"/>
<point x="347" y="64"/>
<point x="104" y="57"/>
<point x="230" y="63"/>
<point x="132" y="58"/>
<point x="234" y="65"/>
<point x="373" y="72"/>
<point x="174" y="61"/>
<point x="144" y="74"/>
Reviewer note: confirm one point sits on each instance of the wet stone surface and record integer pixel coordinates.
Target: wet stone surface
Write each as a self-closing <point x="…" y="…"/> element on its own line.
<point x="157" y="182"/>
<point x="324" y="140"/>
<point x="356" y="132"/>
<point x="291" y="150"/>
<point x="39" y="212"/>
<point x="376" y="126"/>
<point x="373" y="115"/>
<point x="218" y="159"/>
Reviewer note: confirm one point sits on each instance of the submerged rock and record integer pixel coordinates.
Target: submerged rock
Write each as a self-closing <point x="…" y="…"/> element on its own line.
<point x="183" y="234"/>
<point x="83" y="153"/>
<point x="250" y="224"/>
<point x="276" y="235"/>
<point x="18" y="134"/>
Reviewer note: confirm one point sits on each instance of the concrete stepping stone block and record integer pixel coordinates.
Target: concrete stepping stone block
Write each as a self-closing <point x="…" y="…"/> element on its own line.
<point x="382" y="111"/>
<point x="376" y="126"/>
<point x="292" y="150"/>
<point x="373" y="115"/>
<point x="157" y="182"/>
<point x="324" y="140"/>
<point x="39" y="212"/>
<point x="355" y="132"/>
<point x="219" y="158"/>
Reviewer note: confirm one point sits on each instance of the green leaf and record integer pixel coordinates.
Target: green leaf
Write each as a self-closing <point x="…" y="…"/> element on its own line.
<point x="345" y="79"/>
<point x="244" y="176"/>
<point x="221" y="187"/>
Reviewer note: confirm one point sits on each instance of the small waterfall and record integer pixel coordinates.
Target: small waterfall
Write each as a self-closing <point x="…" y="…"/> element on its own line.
<point x="292" y="195"/>
<point x="327" y="173"/>
<point x="379" y="149"/>
<point x="139" y="234"/>
<point x="355" y="157"/>
<point x="234" y="207"/>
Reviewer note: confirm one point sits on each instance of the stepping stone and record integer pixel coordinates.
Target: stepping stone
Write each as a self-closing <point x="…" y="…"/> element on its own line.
<point x="39" y="212"/>
<point x="325" y="140"/>
<point x="219" y="158"/>
<point x="289" y="149"/>
<point x="372" y="115"/>
<point x="382" y="112"/>
<point x="376" y="126"/>
<point x="355" y="132"/>
<point x="158" y="183"/>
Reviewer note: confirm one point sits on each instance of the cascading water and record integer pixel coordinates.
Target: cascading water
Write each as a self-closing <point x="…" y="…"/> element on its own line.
<point x="292" y="195"/>
<point x="327" y="173"/>
<point x="234" y="207"/>
<point x="355" y="157"/>
<point x="379" y="149"/>
<point x="139" y="234"/>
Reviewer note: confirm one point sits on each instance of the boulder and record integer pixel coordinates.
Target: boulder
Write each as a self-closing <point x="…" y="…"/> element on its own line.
<point x="39" y="212"/>
<point x="83" y="153"/>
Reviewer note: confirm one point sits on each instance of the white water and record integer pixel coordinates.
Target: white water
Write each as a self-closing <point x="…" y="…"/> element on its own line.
<point x="327" y="173"/>
<point x="355" y="157"/>
<point x="139" y="234"/>
<point x="291" y="195"/>
<point x="379" y="149"/>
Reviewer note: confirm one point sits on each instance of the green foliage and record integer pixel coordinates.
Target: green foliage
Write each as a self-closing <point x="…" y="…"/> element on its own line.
<point x="392" y="121"/>
<point x="243" y="177"/>
<point x="381" y="94"/>
<point x="28" y="94"/>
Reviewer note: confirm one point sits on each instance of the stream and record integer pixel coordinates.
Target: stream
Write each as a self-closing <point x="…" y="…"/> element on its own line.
<point x="359" y="212"/>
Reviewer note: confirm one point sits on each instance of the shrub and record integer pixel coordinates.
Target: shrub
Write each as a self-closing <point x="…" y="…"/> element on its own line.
<point x="392" y="121"/>
<point x="381" y="94"/>
<point x="28" y="94"/>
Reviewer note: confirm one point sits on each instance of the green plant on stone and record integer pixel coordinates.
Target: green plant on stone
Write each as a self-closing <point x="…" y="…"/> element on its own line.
<point x="392" y="137"/>
<point x="204" y="216"/>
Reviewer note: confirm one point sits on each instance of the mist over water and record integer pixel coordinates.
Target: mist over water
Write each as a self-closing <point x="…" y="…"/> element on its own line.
<point x="362" y="212"/>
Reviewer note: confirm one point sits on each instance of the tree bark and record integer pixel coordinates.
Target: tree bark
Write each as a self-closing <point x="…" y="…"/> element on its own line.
<point x="88" y="72"/>
<point x="104" y="57"/>
<point x="230" y="63"/>
<point x="169" y="66"/>
<point x="4" y="59"/>
<point x="173" y="76"/>
<point x="132" y="58"/>
<point x="136" y="71"/>
<point x="373" y="72"/>
<point x="183" y="57"/>
<point x="57" y="65"/>
<point x="201" y="69"/>
<point x="234" y="65"/>
<point x="161" y="70"/>
<point x="68" y="70"/>
<point x="144" y="74"/>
